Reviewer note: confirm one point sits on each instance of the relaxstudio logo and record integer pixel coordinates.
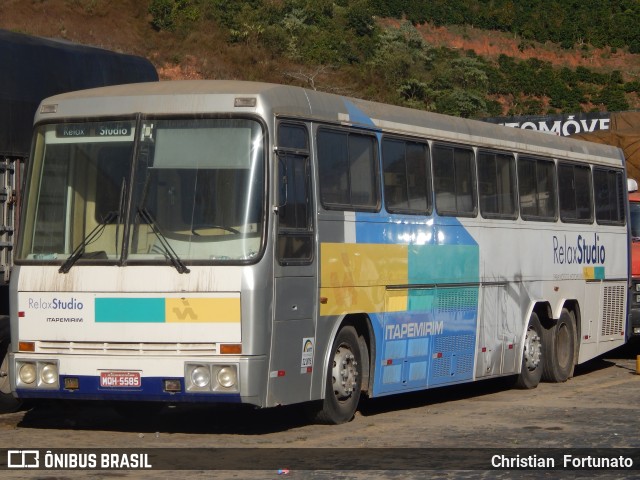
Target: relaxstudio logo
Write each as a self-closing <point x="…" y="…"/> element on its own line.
<point x="55" y="304"/>
<point x="585" y="250"/>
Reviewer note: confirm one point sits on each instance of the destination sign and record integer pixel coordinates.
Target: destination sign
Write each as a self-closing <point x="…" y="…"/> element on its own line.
<point x="109" y="129"/>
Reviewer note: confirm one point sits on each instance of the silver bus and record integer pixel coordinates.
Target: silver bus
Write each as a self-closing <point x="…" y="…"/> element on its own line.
<point x="224" y="241"/>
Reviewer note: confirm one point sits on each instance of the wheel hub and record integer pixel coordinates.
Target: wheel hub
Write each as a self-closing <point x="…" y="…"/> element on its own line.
<point x="344" y="373"/>
<point x="532" y="349"/>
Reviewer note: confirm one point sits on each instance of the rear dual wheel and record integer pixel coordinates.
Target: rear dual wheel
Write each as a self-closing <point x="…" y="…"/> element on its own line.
<point x="559" y="343"/>
<point x="549" y="354"/>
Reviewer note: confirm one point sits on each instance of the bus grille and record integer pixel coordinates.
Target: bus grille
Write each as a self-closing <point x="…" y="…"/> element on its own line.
<point x="121" y="348"/>
<point x="613" y="311"/>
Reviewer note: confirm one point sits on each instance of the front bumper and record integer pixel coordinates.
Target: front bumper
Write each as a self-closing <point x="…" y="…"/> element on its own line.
<point x="142" y="378"/>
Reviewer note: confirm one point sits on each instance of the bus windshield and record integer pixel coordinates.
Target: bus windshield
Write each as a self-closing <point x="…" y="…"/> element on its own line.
<point x="196" y="192"/>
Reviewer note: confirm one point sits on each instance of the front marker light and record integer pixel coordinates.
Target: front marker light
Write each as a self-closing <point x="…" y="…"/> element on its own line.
<point x="49" y="374"/>
<point x="201" y="377"/>
<point x="28" y="373"/>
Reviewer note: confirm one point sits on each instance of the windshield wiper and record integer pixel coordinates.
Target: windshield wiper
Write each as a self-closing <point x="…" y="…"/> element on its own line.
<point x="170" y="252"/>
<point x="91" y="237"/>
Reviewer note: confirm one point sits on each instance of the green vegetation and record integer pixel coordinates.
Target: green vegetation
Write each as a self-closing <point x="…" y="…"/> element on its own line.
<point x="343" y="40"/>
<point x="567" y="22"/>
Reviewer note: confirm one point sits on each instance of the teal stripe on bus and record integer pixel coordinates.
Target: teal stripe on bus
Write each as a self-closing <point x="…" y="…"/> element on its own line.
<point x="130" y="310"/>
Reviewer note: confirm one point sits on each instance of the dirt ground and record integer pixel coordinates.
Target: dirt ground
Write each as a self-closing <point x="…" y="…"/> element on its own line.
<point x="595" y="409"/>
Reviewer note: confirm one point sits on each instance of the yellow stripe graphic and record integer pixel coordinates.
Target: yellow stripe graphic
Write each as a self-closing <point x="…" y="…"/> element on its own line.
<point x="353" y="277"/>
<point x="203" y="310"/>
<point x="350" y="264"/>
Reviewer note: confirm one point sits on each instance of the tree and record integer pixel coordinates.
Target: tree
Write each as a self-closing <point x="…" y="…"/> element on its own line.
<point x="613" y="98"/>
<point x="461" y="103"/>
<point x="402" y="53"/>
<point x="417" y="94"/>
<point x="169" y="14"/>
<point x="468" y="74"/>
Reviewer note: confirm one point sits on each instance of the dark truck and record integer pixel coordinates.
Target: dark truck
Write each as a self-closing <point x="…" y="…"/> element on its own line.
<point x="35" y="68"/>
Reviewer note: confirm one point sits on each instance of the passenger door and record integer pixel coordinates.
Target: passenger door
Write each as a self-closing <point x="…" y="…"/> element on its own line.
<point x="293" y="340"/>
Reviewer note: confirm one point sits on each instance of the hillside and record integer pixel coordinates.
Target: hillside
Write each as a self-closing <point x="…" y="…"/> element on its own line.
<point x="458" y="69"/>
<point x="492" y="44"/>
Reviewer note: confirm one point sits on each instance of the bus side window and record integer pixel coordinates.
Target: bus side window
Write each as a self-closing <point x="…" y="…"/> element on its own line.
<point x="295" y="226"/>
<point x="537" y="189"/>
<point x="496" y="182"/>
<point x="609" y="196"/>
<point x="407" y="183"/>
<point x="454" y="181"/>
<point x="348" y="174"/>
<point x="576" y="205"/>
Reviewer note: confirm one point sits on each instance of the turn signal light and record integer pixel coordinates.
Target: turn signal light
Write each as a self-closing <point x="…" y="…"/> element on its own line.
<point x="231" y="349"/>
<point x="27" y="346"/>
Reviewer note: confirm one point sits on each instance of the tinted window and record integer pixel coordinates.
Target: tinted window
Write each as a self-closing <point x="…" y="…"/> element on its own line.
<point x="575" y="193"/>
<point x="347" y="164"/>
<point x="454" y="180"/>
<point x="537" y="188"/>
<point x="496" y="181"/>
<point x="295" y="228"/>
<point x="406" y="180"/>
<point x="295" y="202"/>
<point x="609" y="195"/>
<point x="293" y="136"/>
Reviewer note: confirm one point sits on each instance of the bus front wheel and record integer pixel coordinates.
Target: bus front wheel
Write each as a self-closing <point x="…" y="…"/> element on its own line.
<point x="344" y="379"/>
<point x="532" y="355"/>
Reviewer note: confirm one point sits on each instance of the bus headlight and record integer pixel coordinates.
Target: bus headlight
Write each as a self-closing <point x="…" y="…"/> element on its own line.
<point x="201" y="377"/>
<point x="28" y="373"/>
<point x="227" y="376"/>
<point x="37" y="374"/>
<point x="49" y="374"/>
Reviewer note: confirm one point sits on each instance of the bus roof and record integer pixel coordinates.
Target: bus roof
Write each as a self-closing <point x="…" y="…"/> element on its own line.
<point x="220" y="96"/>
<point x="35" y="68"/>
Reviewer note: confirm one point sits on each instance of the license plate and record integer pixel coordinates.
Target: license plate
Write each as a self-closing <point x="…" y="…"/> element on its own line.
<point x="120" y="379"/>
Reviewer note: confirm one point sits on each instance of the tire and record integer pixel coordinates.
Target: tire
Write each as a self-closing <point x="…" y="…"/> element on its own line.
<point x="532" y="355"/>
<point x="344" y="380"/>
<point x="559" y="343"/>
